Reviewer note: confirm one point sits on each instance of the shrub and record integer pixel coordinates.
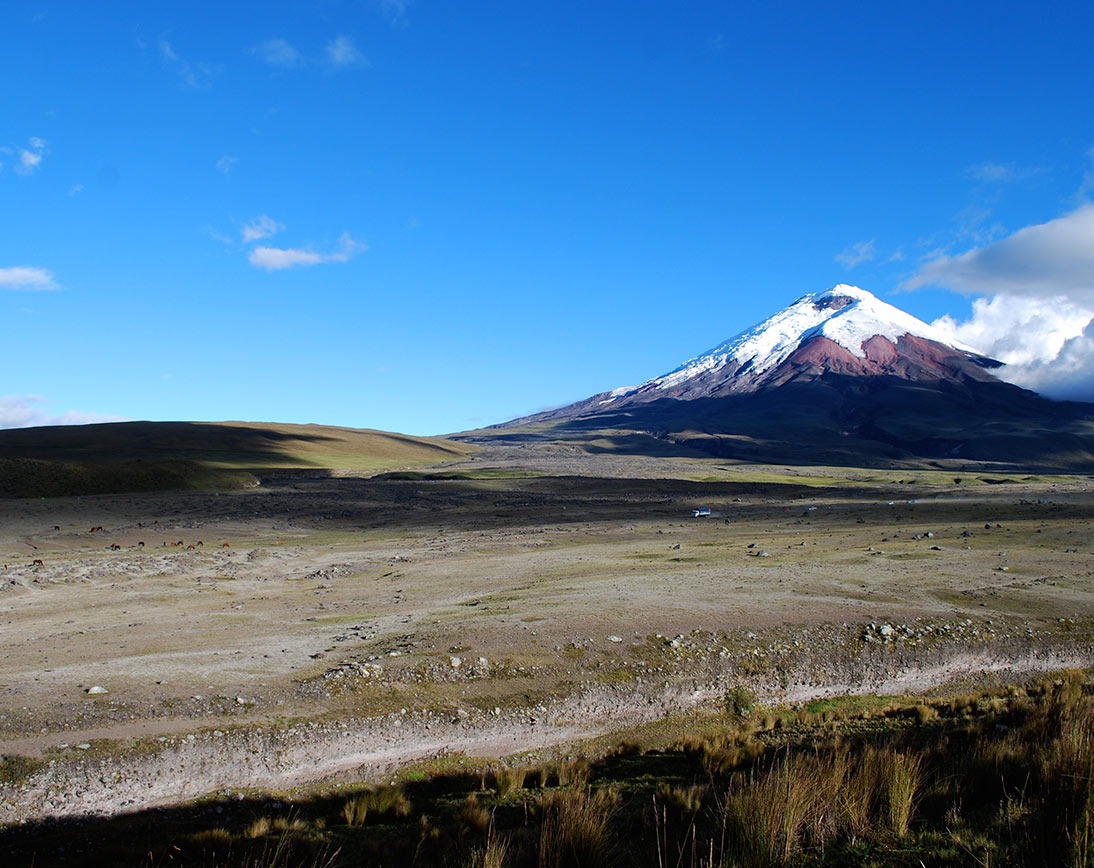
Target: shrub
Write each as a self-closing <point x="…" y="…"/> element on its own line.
<point x="740" y="701"/>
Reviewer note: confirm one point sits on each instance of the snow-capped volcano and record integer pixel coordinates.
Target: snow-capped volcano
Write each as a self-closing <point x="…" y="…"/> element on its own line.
<point x="846" y="315"/>
<point x="838" y="377"/>
<point x="844" y="330"/>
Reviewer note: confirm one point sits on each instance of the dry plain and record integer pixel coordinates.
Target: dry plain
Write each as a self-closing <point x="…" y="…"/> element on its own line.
<point x="156" y="647"/>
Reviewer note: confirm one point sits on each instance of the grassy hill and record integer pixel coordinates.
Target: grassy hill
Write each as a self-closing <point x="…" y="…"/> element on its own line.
<point x="152" y="456"/>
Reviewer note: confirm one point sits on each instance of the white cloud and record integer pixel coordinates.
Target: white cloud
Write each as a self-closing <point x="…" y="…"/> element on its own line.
<point x="280" y="258"/>
<point x="259" y="228"/>
<point x="856" y="254"/>
<point x="226" y="163"/>
<point x="1036" y="313"/>
<point x="279" y="52"/>
<point x="196" y="75"/>
<point x="1020" y="330"/>
<point x="1046" y="343"/>
<point x="1046" y="260"/>
<point x="27" y="411"/>
<point x="27" y="277"/>
<point x="28" y="159"/>
<point x="342" y="53"/>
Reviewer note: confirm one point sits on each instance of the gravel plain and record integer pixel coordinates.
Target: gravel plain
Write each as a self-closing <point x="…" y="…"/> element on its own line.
<point x="158" y="647"/>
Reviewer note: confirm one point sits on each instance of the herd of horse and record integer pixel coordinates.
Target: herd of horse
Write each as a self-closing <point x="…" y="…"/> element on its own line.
<point x="115" y="547"/>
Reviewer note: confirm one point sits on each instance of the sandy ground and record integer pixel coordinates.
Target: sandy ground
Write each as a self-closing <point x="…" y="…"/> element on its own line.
<point x="155" y="647"/>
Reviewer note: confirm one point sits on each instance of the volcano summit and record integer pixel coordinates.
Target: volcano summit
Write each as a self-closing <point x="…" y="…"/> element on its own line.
<point x="837" y="377"/>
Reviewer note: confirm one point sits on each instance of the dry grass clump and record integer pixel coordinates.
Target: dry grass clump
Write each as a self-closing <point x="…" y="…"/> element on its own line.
<point x="576" y="828"/>
<point x="924" y="714"/>
<point x="809" y="800"/>
<point x="260" y="827"/>
<point x="687" y="799"/>
<point x="564" y="773"/>
<point x="1063" y="827"/>
<point x="901" y="777"/>
<point x="473" y="817"/>
<point x="494" y="853"/>
<point x="386" y="800"/>
<point x="509" y="780"/>
<point x="721" y="755"/>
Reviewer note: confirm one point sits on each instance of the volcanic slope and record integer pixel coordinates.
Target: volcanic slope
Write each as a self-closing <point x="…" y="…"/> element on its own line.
<point x="838" y="377"/>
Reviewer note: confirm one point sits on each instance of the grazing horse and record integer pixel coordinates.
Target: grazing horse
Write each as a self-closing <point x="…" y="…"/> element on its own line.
<point x="114" y="547"/>
<point x="37" y="562"/>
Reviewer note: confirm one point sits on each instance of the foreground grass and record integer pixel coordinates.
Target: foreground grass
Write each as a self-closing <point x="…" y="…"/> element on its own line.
<point x="999" y="778"/>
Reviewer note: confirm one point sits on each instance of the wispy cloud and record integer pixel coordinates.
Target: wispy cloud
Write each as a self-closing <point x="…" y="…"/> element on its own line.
<point x="1002" y="173"/>
<point x="393" y="10"/>
<point x="343" y="53"/>
<point x="1036" y="312"/>
<point x="195" y="75"/>
<point x="281" y="258"/>
<point x="29" y="411"/>
<point x="280" y="53"/>
<point x="226" y="163"/>
<point x="27" y="277"/>
<point x="856" y="254"/>
<point x="260" y="227"/>
<point x="1087" y="186"/>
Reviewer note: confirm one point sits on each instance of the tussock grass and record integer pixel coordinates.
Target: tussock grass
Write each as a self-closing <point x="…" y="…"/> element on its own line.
<point x="494" y="853"/>
<point x="387" y="800"/>
<point x="576" y="828"/>
<point x="509" y="780"/>
<point x="807" y="801"/>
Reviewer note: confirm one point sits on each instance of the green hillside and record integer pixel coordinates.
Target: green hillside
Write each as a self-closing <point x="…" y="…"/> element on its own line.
<point x="152" y="456"/>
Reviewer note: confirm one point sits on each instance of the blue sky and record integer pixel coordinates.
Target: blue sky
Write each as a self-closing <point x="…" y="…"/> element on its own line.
<point x="428" y="217"/>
